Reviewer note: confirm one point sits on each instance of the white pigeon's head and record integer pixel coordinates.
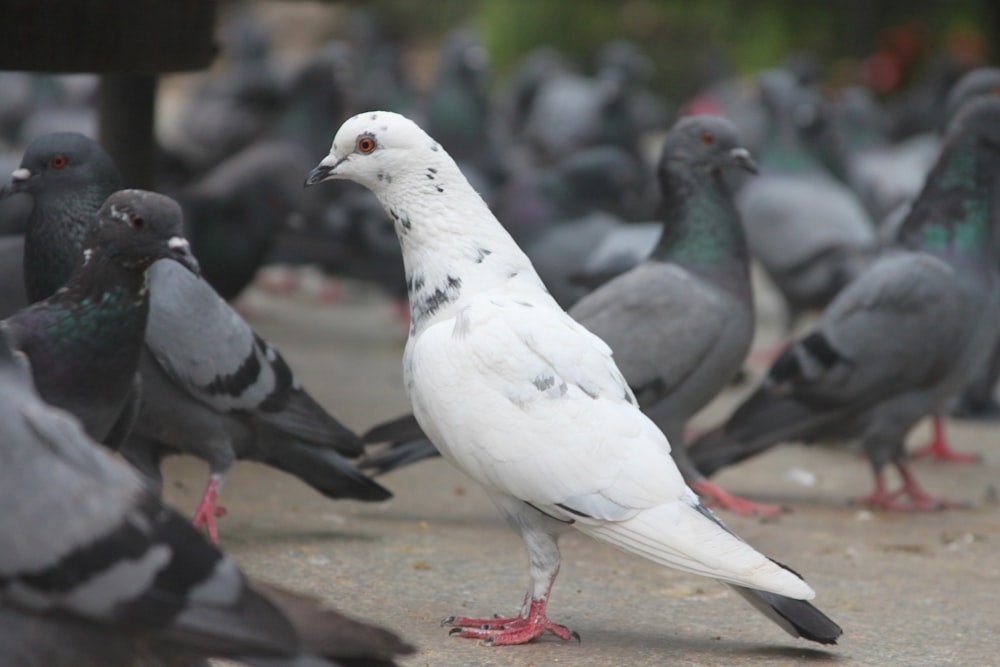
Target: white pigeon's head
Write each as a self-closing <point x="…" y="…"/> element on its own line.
<point x="374" y="147"/>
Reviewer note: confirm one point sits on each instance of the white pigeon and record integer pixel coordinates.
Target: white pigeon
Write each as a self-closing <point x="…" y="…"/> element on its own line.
<point x="529" y="403"/>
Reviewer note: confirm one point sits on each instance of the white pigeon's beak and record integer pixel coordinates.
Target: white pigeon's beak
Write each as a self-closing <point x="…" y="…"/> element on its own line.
<point x="325" y="170"/>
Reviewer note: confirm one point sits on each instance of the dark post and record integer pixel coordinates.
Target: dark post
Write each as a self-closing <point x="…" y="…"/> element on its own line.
<point x="125" y="106"/>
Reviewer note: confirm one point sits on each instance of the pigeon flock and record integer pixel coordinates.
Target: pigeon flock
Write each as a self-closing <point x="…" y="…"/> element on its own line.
<point x="574" y="265"/>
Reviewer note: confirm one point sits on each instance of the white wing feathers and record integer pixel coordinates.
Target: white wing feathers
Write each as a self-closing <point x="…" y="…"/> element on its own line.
<point x="557" y="427"/>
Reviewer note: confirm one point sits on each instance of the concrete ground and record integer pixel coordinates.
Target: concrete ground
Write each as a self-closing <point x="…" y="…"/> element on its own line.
<point x="916" y="590"/>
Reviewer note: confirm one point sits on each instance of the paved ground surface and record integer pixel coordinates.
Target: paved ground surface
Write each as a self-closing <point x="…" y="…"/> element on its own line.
<point x="909" y="590"/>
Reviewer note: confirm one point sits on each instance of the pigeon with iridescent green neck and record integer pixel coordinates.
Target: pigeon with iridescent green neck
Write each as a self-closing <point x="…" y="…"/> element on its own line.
<point x="901" y="340"/>
<point x="84" y="341"/>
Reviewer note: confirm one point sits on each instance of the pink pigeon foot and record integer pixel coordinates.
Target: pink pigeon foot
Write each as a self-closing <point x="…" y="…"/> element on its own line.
<point x="939" y="449"/>
<point x="208" y="511"/>
<point x="919" y="500"/>
<point x="331" y="292"/>
<point x="715" y="496"/>
<point x="765" y="357"/>
<point x="279" y="281"/>
<point x="509" y="630"/>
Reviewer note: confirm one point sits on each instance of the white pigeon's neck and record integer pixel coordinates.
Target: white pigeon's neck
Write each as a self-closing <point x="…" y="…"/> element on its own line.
<point x="453" y="246"/>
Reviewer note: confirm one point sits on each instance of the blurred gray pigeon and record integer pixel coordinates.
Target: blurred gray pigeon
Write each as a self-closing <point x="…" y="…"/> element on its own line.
<point x="97" y="572"/>
<point x="84" y="340"/>
<point x="211" y="386"/>
<point x="809" y="231"/>
<point x="235" y="213"/>
<point x="530" y="404"/>
<point x="901" y="340"/>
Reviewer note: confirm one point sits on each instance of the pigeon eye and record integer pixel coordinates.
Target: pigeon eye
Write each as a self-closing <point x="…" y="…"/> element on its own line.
<point x="136" y="221"/>
<point x="707" y="138"/>
<point x="366" y="144"/>
<point x="58" y="162"/>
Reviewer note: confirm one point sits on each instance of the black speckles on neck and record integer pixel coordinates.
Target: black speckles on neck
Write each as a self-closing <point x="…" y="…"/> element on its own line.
<point x="382" y="176"/>
<point x="423" y="305"/>
<point x="401" y="219"/>
<point x="414" y="284"/>
<point x="439" y="188"/>
<point x="481" y="254"/>
<point x="435" y="146"/>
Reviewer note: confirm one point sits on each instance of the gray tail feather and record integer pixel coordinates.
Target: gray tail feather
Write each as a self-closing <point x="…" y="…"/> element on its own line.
<point x="304" y="419"/>
<point x="324" y="470"/>
<point x="761" y="422"/>
<point x="398" y="455"/>
<point x="796" y="617"/>
<point x="395" y="430"/>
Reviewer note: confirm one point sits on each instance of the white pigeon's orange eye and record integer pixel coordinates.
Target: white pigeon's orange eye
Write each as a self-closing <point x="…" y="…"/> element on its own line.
<point x="366" y="144"/>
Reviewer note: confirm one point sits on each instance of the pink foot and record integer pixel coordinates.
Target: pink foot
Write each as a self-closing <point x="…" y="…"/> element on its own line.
<point x="509" y="630"/>
<point x="279" y="281"/>
<point x="208" y="511"/>
<point x="939" y="449"/>
<point x="401" y="311"/>
<point x="331" y="292"/>
<point x="715" y="496"/>
<point x="766" y="356"/>
<point x="918" y="499"/>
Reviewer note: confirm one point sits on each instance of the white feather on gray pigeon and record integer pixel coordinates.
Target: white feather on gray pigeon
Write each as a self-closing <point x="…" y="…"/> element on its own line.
<point x="901" y="340"/>
<point x="211" y="386"/>
<point x="530" y="404"/>
<point x="84" y="340"/>
<point x="809" y="250"/>
<point x="96" y="572"/>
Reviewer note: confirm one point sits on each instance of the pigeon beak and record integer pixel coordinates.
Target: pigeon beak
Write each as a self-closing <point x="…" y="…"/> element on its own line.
<point x="323" y="171"/>
<point x="18" y="177"/>
<point x="741" y="158"/>
<point x="180" y="251"/>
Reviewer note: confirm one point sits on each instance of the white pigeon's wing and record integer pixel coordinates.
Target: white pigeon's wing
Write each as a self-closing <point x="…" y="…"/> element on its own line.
<point x="531" y="405"/>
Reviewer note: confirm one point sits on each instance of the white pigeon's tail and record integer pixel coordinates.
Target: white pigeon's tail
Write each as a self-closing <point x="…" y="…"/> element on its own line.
<point x="689" y="538"/>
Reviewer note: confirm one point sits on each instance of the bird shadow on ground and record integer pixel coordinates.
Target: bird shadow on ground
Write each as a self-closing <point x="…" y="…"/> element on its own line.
<point x="712" y="648"/>
<point x="272" y="535"/>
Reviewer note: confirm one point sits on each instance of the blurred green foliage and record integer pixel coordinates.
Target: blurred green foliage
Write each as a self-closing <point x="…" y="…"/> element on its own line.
<point x="692" y="41"/>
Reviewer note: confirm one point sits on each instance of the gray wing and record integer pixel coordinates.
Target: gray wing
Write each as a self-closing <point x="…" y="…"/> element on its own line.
<point x="209" y="351"/>
<point x="663" y="323"/>
<point x="897" y="327"/>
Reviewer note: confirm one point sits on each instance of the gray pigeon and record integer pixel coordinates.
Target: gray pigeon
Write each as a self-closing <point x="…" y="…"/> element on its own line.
<point x="84" y="340"/>
<point x="680" y="324"/>
<point x="809" y="250"/>
<point x="901" y="340"/>
<point x="211" y="386"/>
<point x="528" y="403"/>
<point x="96" y="572"/>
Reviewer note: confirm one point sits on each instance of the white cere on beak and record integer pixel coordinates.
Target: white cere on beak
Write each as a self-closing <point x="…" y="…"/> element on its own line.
<point x="176" y="242"/>
<point x="21" y="174"/>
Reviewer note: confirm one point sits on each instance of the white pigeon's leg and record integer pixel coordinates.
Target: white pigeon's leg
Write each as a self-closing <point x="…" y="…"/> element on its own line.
<point x="207" y="510"/>
<point x="540" y="535"/>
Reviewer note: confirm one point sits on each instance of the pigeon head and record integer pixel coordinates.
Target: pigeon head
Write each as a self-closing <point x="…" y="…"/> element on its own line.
<point x="141" y="227"/>
<point x="61" y="162"/>
<point x="979" y="117"/>
<point x="375" y="147"/>
<point x="704" y="143"/>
